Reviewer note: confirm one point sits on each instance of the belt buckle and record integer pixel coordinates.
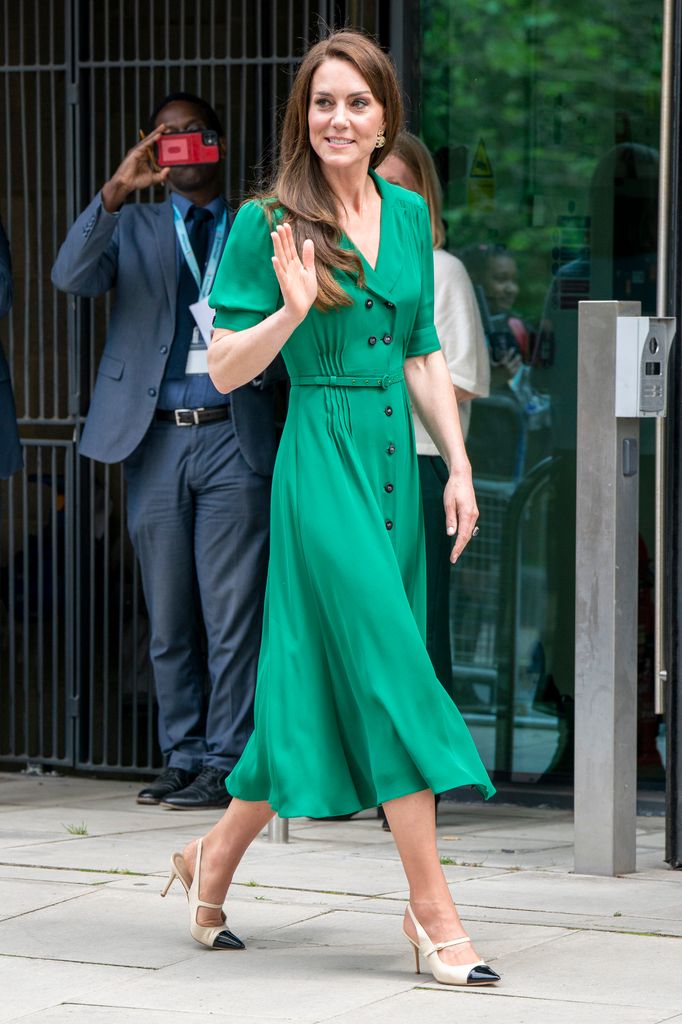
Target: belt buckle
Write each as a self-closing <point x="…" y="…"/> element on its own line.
<point x="194" y="421"/>
<point x="385" y="381"/>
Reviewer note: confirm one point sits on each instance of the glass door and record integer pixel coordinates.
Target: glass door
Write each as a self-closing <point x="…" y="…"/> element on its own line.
<point x="543" y="120"/>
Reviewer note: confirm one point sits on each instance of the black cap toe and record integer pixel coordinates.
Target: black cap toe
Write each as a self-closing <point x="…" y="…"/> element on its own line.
<point x="480" y="974"/>
<point x="226" y="940"/>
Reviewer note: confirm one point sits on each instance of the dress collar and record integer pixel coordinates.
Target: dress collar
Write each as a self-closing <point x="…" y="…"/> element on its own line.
<point x="381" y="279"/>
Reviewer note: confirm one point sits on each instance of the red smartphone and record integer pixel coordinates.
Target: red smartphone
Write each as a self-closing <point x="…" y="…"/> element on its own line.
<point x="181" y="148"/>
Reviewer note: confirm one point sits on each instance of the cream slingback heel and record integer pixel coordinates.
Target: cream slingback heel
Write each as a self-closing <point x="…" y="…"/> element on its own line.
<point x="477" y="973"/>
<point x="214" y="936"/>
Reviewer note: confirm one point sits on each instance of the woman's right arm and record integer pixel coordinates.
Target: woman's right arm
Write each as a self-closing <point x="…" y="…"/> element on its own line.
<point x="236" y="357"/>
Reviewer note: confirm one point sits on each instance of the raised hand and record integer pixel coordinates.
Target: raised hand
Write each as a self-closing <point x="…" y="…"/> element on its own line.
<point x="297" y="278"/>
<point x="135" y="171"/>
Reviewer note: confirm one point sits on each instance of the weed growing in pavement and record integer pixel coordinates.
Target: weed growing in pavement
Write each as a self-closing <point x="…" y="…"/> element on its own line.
<point x="77" y="830"/>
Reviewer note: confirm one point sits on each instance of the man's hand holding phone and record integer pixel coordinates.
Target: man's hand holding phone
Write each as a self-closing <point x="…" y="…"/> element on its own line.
<point x="137" y="170"/>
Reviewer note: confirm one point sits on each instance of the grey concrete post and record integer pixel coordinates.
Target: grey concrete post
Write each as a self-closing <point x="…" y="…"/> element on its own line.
<point x="606" y="604"/>
<point x="278" y="829"/>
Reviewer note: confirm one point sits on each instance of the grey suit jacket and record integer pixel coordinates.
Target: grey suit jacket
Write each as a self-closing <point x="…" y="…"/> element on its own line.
<point x="134" y="252"/>
<point x="10" y="449"/>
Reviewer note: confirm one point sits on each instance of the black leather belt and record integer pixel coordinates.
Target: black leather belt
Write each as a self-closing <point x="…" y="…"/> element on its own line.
<point x="194" y="417"/>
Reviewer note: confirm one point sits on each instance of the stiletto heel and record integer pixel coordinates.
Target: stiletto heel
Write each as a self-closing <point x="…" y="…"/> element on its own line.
<point x="171" y="878"/>
<point x="477" y="973"/>
<point x="416" y="960"/>
<point x="215" y="936"/>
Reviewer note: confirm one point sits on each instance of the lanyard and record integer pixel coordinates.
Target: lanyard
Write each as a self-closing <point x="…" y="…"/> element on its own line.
<point x="188" y="253"/>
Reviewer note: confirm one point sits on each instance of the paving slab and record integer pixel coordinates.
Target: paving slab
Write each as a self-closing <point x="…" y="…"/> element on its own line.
<point x="430" y="1007"/>
<point x="53" y="823"/>
<point x="29" y="986"/>
<point x="18" y="897"/>
<point x="84" y="1013"/>
<point x="149" y="852"/>
<point x="107" y="926"/>
<point x="349" y="927"/>
<point x="326" y="871"/>
<point x="280" y="983"/>
<point x="490" y="850"/>
<point x="24" y="789"/>
<point x="585" y="967"/>
<point x="582" y="896"/>
<point x="74" y="876"/>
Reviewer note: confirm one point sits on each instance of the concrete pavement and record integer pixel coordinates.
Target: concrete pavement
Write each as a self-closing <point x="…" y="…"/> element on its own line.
<point x="85" y="937"/>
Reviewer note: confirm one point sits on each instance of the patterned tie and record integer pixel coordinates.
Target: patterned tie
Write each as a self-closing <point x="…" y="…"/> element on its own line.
<point x="198" y="223"/>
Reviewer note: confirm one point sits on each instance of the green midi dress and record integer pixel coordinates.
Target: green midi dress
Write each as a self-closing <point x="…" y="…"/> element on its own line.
<point x="348" y="710"/>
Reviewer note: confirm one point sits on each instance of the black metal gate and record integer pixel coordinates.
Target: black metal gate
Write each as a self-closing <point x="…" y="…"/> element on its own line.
<point x="78" y="80"/>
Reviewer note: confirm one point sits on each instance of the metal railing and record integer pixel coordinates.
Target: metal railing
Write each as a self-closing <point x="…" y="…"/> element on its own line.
<point x="78" y="79"/>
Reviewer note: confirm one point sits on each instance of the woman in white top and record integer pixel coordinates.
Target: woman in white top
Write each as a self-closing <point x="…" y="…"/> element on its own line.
<point x="460" y="332"/>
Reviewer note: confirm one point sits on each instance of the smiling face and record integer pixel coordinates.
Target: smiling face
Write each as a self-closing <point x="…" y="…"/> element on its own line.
<point x="343" y="116"/>
<point x="500" y="282"/>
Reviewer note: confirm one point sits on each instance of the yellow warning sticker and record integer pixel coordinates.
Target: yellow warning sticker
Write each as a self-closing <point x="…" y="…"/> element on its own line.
<point x="481" y="166"/>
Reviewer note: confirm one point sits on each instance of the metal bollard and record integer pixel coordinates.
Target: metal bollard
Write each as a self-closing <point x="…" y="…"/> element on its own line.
<point x="278" y="829"/>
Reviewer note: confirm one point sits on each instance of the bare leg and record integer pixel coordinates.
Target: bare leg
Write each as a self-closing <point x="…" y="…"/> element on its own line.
<point x="223" y="848"/>
<point x="413" y="825"/>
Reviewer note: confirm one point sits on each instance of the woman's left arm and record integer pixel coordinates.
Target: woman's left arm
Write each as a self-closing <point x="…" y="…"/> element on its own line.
<point x="433" y="397"/>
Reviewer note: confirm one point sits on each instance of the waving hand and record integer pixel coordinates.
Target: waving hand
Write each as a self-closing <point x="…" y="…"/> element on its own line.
<point x="297" y="278"/>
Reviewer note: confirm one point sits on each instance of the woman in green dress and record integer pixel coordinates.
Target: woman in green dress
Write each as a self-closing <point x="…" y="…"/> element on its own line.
<point x="335" y="269"/>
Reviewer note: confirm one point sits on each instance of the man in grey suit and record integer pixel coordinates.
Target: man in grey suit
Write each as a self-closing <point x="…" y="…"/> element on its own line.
<point x="10" y="449"/>
<point x="198" y="464"/>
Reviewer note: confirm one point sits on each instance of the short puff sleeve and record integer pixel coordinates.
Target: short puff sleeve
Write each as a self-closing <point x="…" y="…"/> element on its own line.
<point x="246" y="290"/>
<point x="424" y="337"/>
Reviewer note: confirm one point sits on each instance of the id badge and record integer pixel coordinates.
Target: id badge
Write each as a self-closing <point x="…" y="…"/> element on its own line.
<point x="203" y="317"/>
<point x="197" y="357"/>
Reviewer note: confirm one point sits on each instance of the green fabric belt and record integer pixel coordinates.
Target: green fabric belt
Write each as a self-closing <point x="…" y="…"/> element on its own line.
<point x="350" y="382"/>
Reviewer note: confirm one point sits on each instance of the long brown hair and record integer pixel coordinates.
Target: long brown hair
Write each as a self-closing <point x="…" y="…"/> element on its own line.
<point x="299" y="187"/>
<point x="414" y="154"/>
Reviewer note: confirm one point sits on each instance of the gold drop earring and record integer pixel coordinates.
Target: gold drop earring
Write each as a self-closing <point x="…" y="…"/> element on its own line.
<point x="381" y="141"/>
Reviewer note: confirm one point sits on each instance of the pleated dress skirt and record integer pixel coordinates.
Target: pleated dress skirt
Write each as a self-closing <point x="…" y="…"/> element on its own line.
<point x="349" y="712"/>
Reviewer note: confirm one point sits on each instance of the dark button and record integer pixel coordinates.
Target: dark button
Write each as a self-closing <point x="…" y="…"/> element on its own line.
<point x="387" y="339"/>
<point x="391" y="449"/>
<point x="372" y="340"/>
<point x="389" y="524"/>
<point x="388" y="488"/>
<point x="163" y="349"/>
<point x="369" y="303"/>
<point x="151" y="392"/>
<point x="390" y="305"/>
<point x="388" y="410"/>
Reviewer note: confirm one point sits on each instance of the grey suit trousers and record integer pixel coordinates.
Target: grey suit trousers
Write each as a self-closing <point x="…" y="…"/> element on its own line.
<point x="198" y="516"/>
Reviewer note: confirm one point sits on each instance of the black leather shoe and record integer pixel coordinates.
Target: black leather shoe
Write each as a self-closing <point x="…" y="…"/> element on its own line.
<point x="207" y="790"/>
<point x="172" y="780"/>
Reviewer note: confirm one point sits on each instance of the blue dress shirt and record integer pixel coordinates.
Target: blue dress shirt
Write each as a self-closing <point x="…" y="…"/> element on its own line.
<point x="196" y="390"/>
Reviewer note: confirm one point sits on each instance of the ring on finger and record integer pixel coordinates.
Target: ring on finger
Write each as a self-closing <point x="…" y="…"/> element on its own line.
<point x="475" y="532"/>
